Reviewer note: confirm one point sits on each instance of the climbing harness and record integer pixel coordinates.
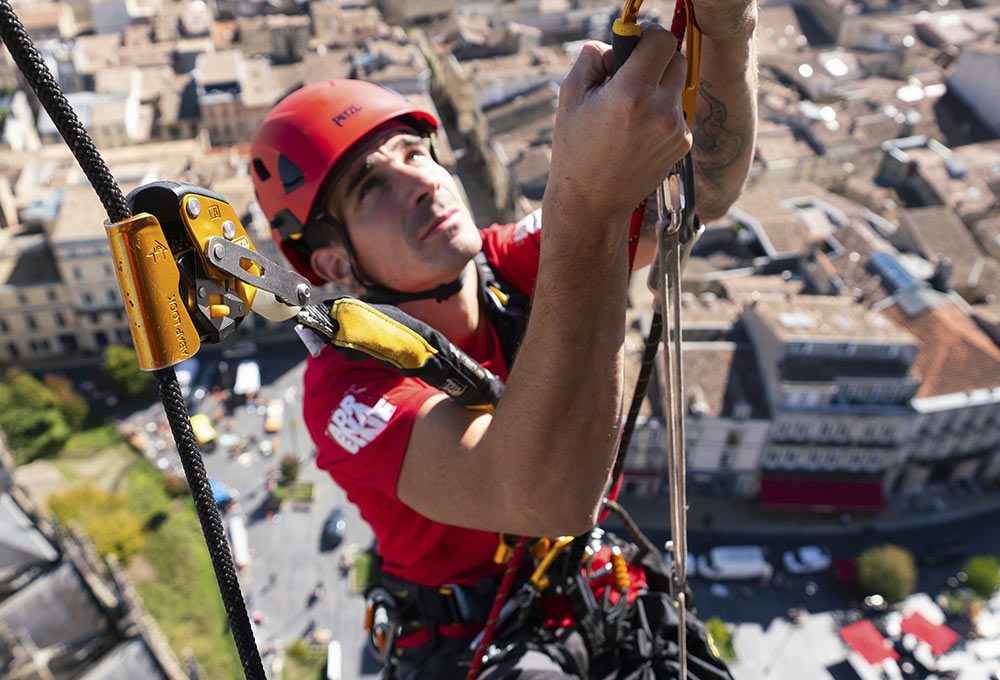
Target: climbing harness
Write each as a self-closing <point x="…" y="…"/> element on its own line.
<point x="189" y="274"/>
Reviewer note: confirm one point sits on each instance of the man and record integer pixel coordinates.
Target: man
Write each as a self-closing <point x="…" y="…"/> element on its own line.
<point x="346" y="174"/>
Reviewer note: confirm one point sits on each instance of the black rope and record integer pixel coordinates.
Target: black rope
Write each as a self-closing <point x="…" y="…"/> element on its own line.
<point x="211" y="522"/>
<point x="38" y="76"/>
<point x="631" y="526"/>
<point x="642" y="383"/>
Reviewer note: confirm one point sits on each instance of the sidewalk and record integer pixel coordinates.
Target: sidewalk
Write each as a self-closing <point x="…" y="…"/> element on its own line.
<point x="736" y="515"/>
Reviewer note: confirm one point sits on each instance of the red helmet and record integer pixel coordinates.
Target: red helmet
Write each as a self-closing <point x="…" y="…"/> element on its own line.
<point x="301" y="141"/>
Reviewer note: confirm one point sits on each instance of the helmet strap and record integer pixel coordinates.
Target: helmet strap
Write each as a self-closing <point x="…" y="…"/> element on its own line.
<point x="379" y="294"/>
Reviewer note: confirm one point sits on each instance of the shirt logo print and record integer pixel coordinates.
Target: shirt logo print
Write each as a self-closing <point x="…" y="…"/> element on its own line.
<point x="354" y="425"/>
<point x="528" y="225"/>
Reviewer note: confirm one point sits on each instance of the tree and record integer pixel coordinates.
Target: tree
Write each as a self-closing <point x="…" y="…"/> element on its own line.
<point x="104" y="517"/>
<point x="122" y="370"/>
<point x="70" y="403"/>
<point x="983" y="572"/>
<point x="31" y="417"/>
<point x="289" y="468"/>
<point x="887" y="570"/>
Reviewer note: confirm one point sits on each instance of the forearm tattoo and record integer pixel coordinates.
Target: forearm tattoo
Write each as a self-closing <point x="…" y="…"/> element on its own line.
<point x="721" y="150"/>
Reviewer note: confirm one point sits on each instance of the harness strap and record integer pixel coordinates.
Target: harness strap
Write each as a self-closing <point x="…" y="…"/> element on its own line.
<point x="505" y="306"/>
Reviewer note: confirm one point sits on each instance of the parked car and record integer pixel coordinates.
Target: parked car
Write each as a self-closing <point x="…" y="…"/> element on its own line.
<point x="238" y="540"/>
<point x="204" y="431"/>
<point x="734" y="562"/>
<point x="807" y="559"/>
<point x="939" y="554"/>
<point x="333" y="660"/>
<point x="333" y="530"/>
<point x="274" y="419"/>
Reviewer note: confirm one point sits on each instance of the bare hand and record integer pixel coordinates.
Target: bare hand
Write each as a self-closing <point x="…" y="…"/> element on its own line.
<point x="615" y="140"/>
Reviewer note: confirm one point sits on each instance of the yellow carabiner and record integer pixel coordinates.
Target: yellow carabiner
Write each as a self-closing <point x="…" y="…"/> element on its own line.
<point x="689" y="96"/>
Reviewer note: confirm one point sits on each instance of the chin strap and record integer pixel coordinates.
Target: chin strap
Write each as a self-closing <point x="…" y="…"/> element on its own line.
<point x="379" y="294"/>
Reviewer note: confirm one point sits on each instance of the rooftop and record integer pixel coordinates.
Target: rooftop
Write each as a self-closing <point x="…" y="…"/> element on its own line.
<point x="937" y="233"/>
<point x="955" y="354"/>
<point x="958" y="187"/>
<point x="748" y="289"/>
<point x="25" y="259"/>
<point x="720" y="375"/>
<point x="827" y="319"/>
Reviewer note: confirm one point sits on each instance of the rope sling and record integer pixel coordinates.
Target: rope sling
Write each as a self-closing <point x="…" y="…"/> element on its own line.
<point x="676" y="227"/>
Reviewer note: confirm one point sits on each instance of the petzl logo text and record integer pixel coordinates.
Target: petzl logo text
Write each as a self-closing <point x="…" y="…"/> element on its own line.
<point x="345" y="114"/>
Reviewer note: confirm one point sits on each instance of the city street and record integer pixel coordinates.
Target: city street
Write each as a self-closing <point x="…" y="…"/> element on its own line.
<point x="280" y="584"/>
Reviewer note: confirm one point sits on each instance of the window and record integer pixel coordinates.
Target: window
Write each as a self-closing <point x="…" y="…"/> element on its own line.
<point x="856" y="460"/>
<point x="888" y="351"/>
<point x="802" y="431"/>
<point x="844" y="432"/>
<point x="108" y="271"/>
<point x="845" y="350"/>
<point x="725" y="460"/>
<point x="87" y="298"/>
<point x="12" y="351"/>
<point x="789" y="459"/>
<point x="771" y="458"/>
<point x="781" y="432"/>
<point x="875" y="461"/>
<point x="22" y="299"/>
<point x="825" y="431"/>
<point x="800" y="348"/>
<point x="892" y="393"/>
<point x="886" y="434"/>
<point x="868" y="434"/>
<point x="52" y="294"/>
<point x="4" y="328"/>
<point x="850" y="392"/>
<point x="29" y="319"/>
<point x="876" y="394"/>
<point x="77" y="272"/>
<point x="59" y="319"/>
<point x="112" y="296"/>
<point x="813" y="459"/>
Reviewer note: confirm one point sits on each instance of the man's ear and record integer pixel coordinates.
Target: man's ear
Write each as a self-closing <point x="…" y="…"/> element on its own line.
<point x="332" y="263"/>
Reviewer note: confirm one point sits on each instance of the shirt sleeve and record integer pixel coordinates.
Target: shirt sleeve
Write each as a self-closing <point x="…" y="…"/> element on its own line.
<point x="514" y="250"/>
<point x="360" y="415"/>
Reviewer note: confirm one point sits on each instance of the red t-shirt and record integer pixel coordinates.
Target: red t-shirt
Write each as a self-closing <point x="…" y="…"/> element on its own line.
<point x="360" y="415"/>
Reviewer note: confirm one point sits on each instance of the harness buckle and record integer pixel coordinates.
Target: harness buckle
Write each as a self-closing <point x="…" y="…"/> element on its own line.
<point x="380" y="623"/>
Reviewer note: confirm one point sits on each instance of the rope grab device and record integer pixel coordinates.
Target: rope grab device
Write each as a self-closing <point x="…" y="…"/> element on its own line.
<point x="189" y="273"/>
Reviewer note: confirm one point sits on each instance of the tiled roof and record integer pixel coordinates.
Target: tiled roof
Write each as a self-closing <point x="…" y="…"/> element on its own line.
<point x="720" y="375"/>
<point x="955" y="354"/>
<point x="853" y="270"/>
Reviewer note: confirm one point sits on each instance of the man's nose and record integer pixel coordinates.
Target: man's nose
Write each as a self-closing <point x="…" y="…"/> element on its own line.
<point x="418" y="185"/>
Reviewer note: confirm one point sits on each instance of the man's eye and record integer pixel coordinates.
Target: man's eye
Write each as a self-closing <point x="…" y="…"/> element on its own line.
<point x="366" y="186"/>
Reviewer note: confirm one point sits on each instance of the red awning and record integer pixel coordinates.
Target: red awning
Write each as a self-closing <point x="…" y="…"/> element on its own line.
<point x="864" y="639"/>
<point x="823" y="495"/>
<point x="939" y="637"/>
